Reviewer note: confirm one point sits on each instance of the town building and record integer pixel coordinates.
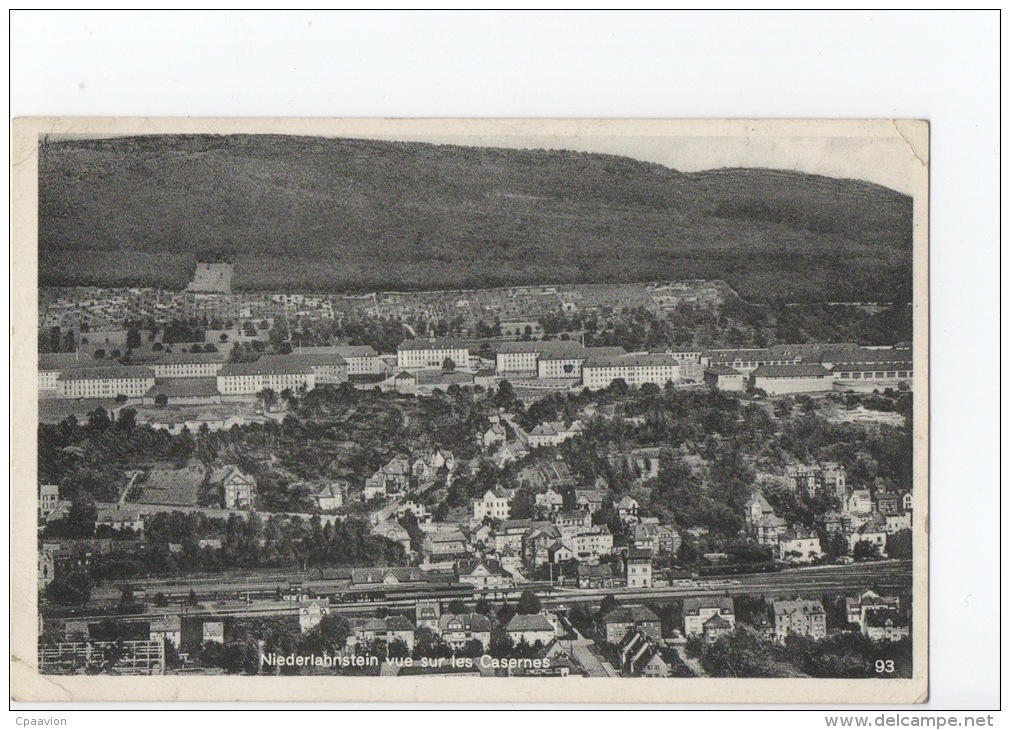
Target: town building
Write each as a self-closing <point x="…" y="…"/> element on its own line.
<point x="627" y="509"/>
<point x="856" y="607"/>
<point x="799" y="617"/>
<point x="762" y="523"/>
<point x="590" y="543"/>
<point x="886" y="625"/>
<point x="427" y="614"/>
<point x="483" y="574"/>
<point x="549" y="501"/>
<point x="859" y="501"/>
<point x="595" y="576"/>
<point x="167" y="628"/>
<point x="278" y="373"/>
<point x="49" y="499"/>
<point x="590" y="500"/>
<point x="120" y="518"/>
<point x="655" y="537"/>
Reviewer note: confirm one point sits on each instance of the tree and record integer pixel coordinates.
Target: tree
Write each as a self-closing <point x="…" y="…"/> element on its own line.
<point x="160" y="599"/>
<point x="191" y="600"/>
<point x="223" y="337"/>
<point x="501" y="643"/>
<point x="72" y="590"/>
<point x="448" y="365"/>
<point x="457" y="607"/>
<point x="161" y="400"/>
<point x="866" y="550"/>
<point x="127" y="420"/>
<point x="397" y="649"/>
<point x="529" y="603"/>
<point x="334" y="630"/>
<point x="608" y="604"/>
<point x="99" y="354"/>
<point x="133" y="340"/>
<point x="121" y="398"/>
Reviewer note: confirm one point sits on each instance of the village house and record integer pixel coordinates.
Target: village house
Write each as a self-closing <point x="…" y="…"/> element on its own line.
<point x="508" y="453"/>
<point x="698" y="611"/>
<point x="800" y="617"/>
<point x="559" y="553"/>
<point x="394" y="532"/>
<point x="237" y="489"/>
<point x="537" y="542"/>
<point x="213" y="631"/>
<point x="457" y="629"/>
<point x="494" y="435"/>
<point x="531" y="629"/>
<point x="887" y="503"/>
<point x="618" y="622"/>
<point x="510" y="535"/>
<point x="571" y="518"/>
<point x="330" y="497"/>
<point x="874" y="532"/>
<point x="444" y="544"/>
<point x="49" y="499"/>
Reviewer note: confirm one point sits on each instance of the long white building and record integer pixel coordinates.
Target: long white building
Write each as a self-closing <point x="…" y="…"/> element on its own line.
<point x="600" y="371"/>
<point x="276" y="373"/>
<point x="109" y="382"/>
<point x="360" y="359"/>
<point x="188" y="365"/>
<point x="431" y="353"/>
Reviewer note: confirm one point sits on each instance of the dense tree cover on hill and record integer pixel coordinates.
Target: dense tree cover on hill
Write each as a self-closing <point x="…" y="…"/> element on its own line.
<point x="391" y="216"/>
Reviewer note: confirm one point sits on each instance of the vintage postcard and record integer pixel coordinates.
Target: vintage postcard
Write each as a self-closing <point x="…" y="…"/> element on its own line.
<point x="555" y="410"/>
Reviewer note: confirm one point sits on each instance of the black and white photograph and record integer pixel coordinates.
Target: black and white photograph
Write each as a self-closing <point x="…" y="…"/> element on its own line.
<point x="492" y="401"/>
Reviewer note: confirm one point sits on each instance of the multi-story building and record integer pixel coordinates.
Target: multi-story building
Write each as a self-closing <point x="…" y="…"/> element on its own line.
<point x="562" y="359"/>
<point x="237" y="489"/>
<point x="799" y="546"/>
<point x="724" y="377"/>
<point x="494" y="504"/>
<point x="828" y="477"/>
<point x="599" y="371"/>
<point x="457" y="629"/>
<point x="237" y="379"/>
<point x="614" y="625"/>
<point x="800" y="617"/>
<point x="130" y="380"/>
<point x="697" y="611"/>
<point x="49" y="499"/>
<point x="638" y="568"/>
<point x="360" y="359"/>
<point x="188" y="365"/>
<point x="432" y="353"/>
<point x="591" y="543"/>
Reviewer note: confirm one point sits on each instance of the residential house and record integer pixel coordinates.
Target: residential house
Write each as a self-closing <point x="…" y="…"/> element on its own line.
<point x="888" y="503"/>
<point x="494" y="504"/>
<point x="536" y="543"/>
<point x="508" y="453"/>
<point x="859" y="501"/>
<point x="761" y="521"/>
<point x="698" y="611"/>
<point x="627" y="509"/>
<point x="167" y="628"/>
<point x="330" y="497"/>
<point x="559" y="553"/>
<point x="531" y="628"/>
<point x="856" y="607"/>
<point x="638" y="568"/>
<point x="510" y="536"/>
<point x="444" y="544"/>
<point x="874" y="531"/>
<point x="49" y="499"/>
<point x="655" y="537"/>
<point x="120" y="518"/>
<point x="213" y="631"/>
<point x="715" y="627"/>
<point x="311" y="612"/>
<point x="823" y="478"/>
<point x="550" y="501"/>
<point x="595" y="576"/>
<point x="457" y="629"/>
<point x="590" y="500"/>
<point x="800" y="617"/>
<point x="590" y="543"/>
<point x="572" y="518"/>
<point x="799" y="546"/>
<point x="494" y="435"/>
<point x="906" y="501"/>
<point x="389" y="629"/>
<point x="427" y="614"/>
<point x="388" y="576"/>
<point x="616" y="624"/>
<point x="898" y="522"/>
<point x="237" y="489"/>
<point x="885" y="625"/>
<point x="395" y="532"/>
<point x="483" y="574"/>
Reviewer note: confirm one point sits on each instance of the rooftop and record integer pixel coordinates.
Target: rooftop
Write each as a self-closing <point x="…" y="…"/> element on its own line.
<point x="799" y="370"/>
<point x="184" y="388"/>
<point x="434" y="343"/>
<point x="113" y="372"/>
